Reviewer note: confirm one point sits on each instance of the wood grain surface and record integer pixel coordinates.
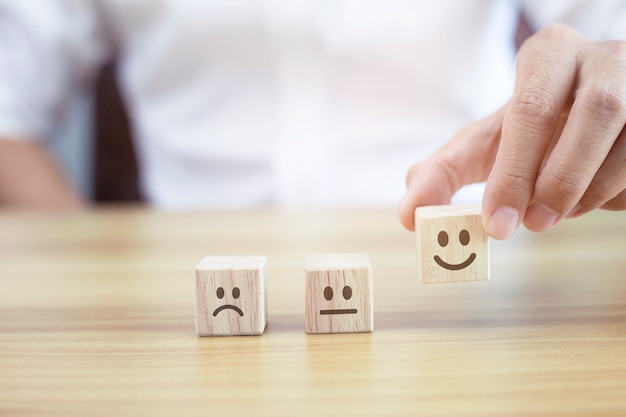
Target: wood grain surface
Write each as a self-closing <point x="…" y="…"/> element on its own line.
<point x="231" y="296"/>
<point x="97" y="318"/>
<point x="339" y="294"/>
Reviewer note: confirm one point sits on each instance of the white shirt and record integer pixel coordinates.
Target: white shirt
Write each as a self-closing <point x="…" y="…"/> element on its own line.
<point x="242" y="103"/>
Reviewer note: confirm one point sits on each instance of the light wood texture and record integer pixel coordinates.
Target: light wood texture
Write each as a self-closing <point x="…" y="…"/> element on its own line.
<point x="452" y="245"/>
<point x="339" y="293"/>
<point x="97" y="319"/>
<point x="231" y="296"/>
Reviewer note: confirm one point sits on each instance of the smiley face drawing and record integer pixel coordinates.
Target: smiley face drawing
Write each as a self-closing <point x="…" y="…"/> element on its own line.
<point x="339" y="295"/>
<point x="464" y="239"/>
<point x="231" y="296"/>
<point x="452" y="244"/>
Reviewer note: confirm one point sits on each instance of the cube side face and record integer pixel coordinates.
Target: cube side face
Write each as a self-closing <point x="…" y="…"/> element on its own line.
<point x="451" y="247"/>
<point x="346" y="308"/>
<point x="230" y="302"/>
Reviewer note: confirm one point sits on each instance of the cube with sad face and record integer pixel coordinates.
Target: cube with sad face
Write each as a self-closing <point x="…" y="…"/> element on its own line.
<point x="230" y="296"/>
<point x="452" y="244"/>
<point x="339" y="294"/>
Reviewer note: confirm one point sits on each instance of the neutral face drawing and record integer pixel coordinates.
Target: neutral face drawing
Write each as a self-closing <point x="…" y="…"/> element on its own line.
<point x="347" y="295"/>
<point x="338" y="293"/>
<point x="220" y="293"/>
<point x="464" y="239"/>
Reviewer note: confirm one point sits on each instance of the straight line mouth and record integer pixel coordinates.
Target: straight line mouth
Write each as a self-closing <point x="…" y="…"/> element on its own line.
<point x="338" y="311"/>
<point x="228" y="306"/>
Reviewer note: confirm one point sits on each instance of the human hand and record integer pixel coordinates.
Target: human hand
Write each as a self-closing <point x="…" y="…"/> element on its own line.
<point x="556" y="150"/>
<point x="31" y="178"/>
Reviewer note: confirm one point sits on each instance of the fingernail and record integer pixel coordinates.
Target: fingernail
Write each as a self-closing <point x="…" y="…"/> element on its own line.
<point x="503" y="222"/>
<point x="576" y="211"/>
<point x="540" y="217"/>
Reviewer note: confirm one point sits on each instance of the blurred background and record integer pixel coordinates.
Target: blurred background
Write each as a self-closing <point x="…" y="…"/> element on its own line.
<point x="94" y="139"/>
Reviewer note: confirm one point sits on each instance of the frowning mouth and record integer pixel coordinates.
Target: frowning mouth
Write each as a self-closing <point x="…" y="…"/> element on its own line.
<point x="455" y="267"/>
<point x="338" y="311"/>
<point x="227" y="306"/>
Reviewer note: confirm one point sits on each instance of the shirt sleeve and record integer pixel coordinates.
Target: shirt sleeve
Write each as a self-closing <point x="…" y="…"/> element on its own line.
<point x="597" y="20"/>
<point x="48" y="50"/>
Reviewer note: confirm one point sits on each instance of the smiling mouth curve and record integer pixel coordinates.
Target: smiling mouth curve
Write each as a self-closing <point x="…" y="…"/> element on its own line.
<point x="227" y="306"/>
<point x="455" y="267"/>
<point x="338" y="311"/>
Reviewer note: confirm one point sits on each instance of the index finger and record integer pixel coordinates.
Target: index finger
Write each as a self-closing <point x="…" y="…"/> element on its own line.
<point x="546" y="70"/>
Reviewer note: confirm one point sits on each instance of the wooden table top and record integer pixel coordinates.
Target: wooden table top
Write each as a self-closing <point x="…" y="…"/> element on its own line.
<point x="97" y="318"/>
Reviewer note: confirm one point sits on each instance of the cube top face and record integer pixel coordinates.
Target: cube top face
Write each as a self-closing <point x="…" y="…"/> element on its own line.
<point x="339" y="294"/>
<point x="452" y="244"/>
<point x="335" y="261"/>
<point x="232" y="262"/>
<point x="230" y="296"/>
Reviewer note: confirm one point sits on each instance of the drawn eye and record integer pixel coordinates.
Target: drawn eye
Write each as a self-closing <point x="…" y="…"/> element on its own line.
<point x="236" y="293"/>
<point x="328" y="293"/>
<point x="347" y="292"/>
<point x="442" y="238"/>
<point x="220" y="293"/>
<point x="464" y="237"/>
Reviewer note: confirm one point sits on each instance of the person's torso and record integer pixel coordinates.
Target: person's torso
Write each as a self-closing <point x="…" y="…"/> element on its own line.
<point x="323" y="103"/>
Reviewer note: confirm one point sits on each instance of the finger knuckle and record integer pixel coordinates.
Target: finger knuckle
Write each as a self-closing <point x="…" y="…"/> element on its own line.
<point x="450" y="174"/>
<point x="557" y="32"/>
<point x="548" y="42"/>
<point x="596" y="194"/>
<point x="515" y="180"/>
<point x="536" y="105"/>
<point x="606" y="99"/>
<point x="552" y="37"/>
<point x="564" y="184"/>
<point x="614" y="49"/>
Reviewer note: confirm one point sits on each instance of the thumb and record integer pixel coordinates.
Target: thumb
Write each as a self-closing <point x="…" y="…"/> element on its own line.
<point x="467" y="158"/>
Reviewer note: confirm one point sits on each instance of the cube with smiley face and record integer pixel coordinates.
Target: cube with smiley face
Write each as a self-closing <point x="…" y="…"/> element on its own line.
<point x="452" y="244"/>
<point x="230" y="296"/>
<point x="339" y="294"/>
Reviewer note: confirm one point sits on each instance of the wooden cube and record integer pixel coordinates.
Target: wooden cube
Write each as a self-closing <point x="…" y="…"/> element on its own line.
<point x="339" y="294"/>
<point x="452" y="244"/>
<point x="231" y="296"/>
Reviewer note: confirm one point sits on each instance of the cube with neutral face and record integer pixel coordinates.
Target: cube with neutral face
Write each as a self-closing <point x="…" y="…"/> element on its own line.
<point x="339" y="294"/>
<point x="452" y="245"/>
<point x="230" y="296"/>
